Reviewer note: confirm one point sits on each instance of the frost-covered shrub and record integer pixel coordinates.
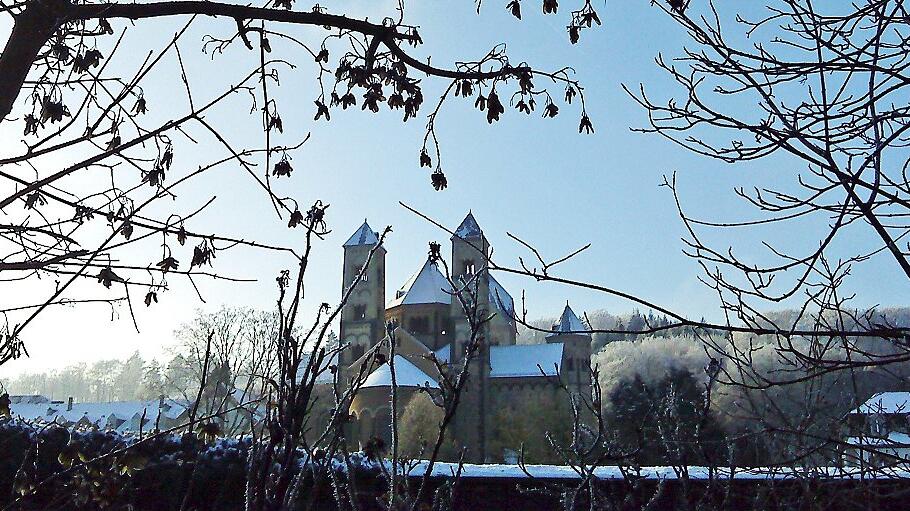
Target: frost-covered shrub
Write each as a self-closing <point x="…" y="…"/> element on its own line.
<point x="48" y="465"/>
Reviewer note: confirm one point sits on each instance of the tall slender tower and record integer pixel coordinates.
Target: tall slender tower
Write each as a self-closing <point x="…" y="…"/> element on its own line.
<point x="470" y="251"/>
<point x="363" y="316"/>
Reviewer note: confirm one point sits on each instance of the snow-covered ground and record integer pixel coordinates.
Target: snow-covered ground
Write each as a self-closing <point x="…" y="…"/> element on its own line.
<point x="613" y="472"/>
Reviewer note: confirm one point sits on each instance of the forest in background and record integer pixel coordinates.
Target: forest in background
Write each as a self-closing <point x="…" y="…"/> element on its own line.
<point x="654" y="380"/>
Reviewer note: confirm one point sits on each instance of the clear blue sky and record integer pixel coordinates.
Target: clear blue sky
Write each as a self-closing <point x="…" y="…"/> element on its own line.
<point x="536" y="178"/>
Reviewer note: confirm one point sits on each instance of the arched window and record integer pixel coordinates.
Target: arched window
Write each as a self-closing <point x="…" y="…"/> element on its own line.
<point x="469" y="267"/>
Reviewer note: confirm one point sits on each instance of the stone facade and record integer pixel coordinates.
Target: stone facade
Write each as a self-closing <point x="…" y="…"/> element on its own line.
<point x="430" y="322"/>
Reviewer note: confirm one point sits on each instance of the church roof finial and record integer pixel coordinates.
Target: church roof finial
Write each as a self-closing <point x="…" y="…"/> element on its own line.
<point x="469" y="228"/>
<point x="569" y="323"/>
<point x="364" y="235"/>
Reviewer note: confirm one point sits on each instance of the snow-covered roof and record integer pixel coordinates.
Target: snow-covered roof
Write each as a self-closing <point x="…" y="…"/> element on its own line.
<point x="501" y="299"/>
<point x="29" y="399"/>
<point x="364" y="235"/>
<point x="468" y="228"/>
<point x="892" y="440"/>
<point x="522" y="360"/>
<point x="608" y="472"/>
<point x="406" y="375"/>
<point x="517" y="361"/>
<point x="325" y="375"/>
<point x="444" y="354"/>
<point x="886" y="402"/>
<point x="568" y="323"/>
<point x="97" y="413"/>
<point x="426" y="286"/>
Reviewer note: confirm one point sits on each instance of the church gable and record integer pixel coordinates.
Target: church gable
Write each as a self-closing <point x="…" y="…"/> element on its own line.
<point x="426" y="286"/>
<point x="406" y="375"/>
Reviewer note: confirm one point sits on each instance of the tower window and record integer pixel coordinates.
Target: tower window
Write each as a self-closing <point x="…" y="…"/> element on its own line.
<point x="469" y="267"/>
<point x="355" y="270"/>
<point x="360" y="311"/>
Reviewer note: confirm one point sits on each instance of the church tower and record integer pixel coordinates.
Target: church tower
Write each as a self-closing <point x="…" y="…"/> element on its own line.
<point x="363" y="316"/>
<point x="575" y="369"/>
<point x="470" y="251"/>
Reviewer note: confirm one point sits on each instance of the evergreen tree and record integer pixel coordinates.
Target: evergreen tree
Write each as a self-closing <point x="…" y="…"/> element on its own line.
<point x="636" y="323"/>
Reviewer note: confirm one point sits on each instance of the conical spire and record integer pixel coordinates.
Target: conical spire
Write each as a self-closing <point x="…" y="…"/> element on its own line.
<point x="364" y="235"/>
<point x="468" y="228"/>
<point x="569" y="322"/>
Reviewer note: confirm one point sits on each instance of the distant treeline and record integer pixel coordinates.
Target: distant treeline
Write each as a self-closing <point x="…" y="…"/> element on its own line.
<point x="102" y="381"/>
<point x="637" y="320"/>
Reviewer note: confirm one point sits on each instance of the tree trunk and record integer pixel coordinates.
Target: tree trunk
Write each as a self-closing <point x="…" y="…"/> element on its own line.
<point x="31" y="30"/>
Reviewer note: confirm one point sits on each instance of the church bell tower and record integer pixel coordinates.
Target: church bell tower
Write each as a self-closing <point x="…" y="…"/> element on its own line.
<point x="363" y="316"/>
<point x="470" y="251"/>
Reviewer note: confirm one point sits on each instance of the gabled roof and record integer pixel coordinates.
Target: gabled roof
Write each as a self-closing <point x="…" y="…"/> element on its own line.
<point x="98" y="413"/>
<point x="364" y="235"/>
<point x="426" y="286"/>
<point x="569" y="323"/>
<point x="886" y="402"/>
<point x="406" y="375"/>
<point x="522" y="360"/>
<point x="468" y="228"/>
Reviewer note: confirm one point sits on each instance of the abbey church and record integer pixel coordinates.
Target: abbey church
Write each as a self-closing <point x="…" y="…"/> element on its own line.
<point x="433" y="331"/>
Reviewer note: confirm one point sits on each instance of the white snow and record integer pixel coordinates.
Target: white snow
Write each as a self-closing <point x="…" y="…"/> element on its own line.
<point x="325" y="375"/>
<point x="444" y="354"/>
<point x="567" y="323"/>
<point x="613" y="472"/>
<point x="501" y="299"/>
<point x="522" y="360"/>
<point x="893" y="440"/>
<point x="886" y="402"/>
<point x="406" y="375"/>
<point x="103" y="415"/>
<point x="426" y="286"/>
<point x="518" y="361"/>
<point x="362" y="236"/>
<point x="468" y="228"/>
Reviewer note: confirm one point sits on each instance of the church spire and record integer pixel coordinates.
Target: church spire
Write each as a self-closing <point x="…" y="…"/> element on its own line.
<point x="364" y="235"/>
<point x="569" y="323"/>
<point x="469" y="228"/>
